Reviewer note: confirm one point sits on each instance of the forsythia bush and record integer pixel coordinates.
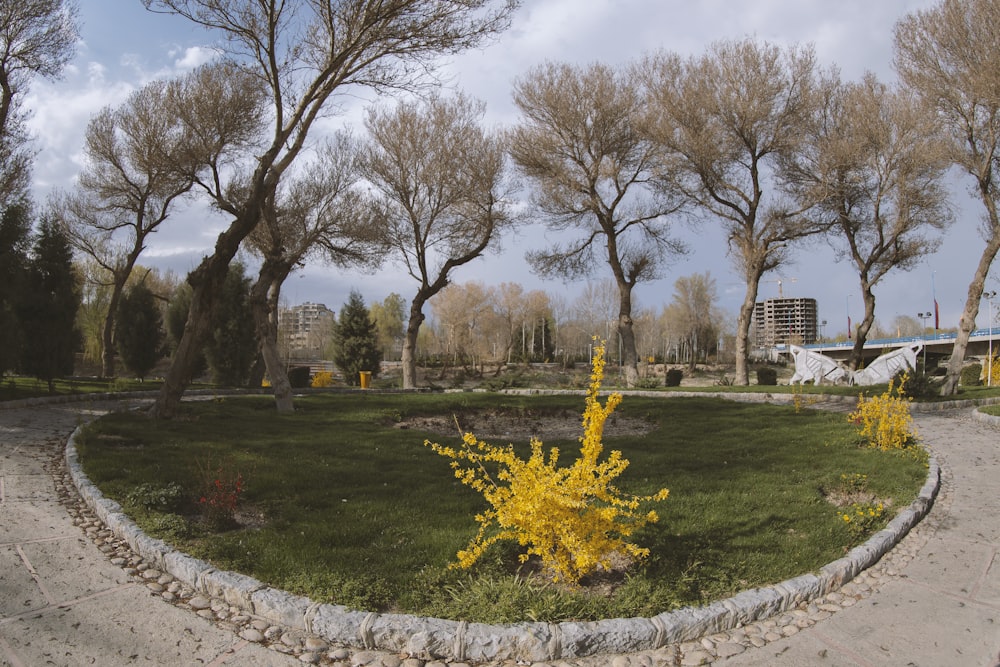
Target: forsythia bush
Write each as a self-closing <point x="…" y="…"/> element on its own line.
<point x="323" y="379"/>
<point x="862" y="518"/>
<point x="885" y="420"/>
<point x="991" y="372"/>
<point x="573" y="519"/>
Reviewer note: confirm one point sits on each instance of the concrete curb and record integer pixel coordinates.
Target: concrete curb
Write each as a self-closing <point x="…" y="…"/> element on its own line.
<point x="434" y="638"/>
<point x="981" y="416"/>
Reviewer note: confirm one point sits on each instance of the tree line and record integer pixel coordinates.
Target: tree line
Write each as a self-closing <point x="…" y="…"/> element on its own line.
<point x="747" y="135"/>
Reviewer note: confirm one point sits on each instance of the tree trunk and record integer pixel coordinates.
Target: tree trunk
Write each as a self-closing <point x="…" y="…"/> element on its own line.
<point x="120" y="275"/>
<point x="743" y="335"/>
<point x="409" y="356"/>
<point x="629" y="357"/>
<point x="107" y="335"/>
<point x="196" y="329"/>
<point x="857" y="352"/>
<point x="968" y="319"/>
<point x="264" y="299"/>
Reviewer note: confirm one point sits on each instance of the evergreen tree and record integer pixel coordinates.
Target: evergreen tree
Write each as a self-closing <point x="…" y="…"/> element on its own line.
<point x="15" y="240"/>
<point x="233" y="346"/>
<point x="139" y="331"/>
<point x="355" y="339"/>
<point x="51" y="299"/>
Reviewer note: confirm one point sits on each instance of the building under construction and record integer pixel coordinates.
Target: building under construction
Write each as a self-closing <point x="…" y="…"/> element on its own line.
<point x="784" y="321"/>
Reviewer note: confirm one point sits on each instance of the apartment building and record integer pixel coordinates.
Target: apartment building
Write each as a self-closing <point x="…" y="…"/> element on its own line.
<point x="784" y="321"/>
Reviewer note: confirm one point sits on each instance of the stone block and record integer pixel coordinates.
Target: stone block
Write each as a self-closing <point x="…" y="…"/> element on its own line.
<point x="337" y="625"/>
<point x="528" y="642"/>
<point x="281" y="607"/>
<point x="185" y="568"/>
<point x="608" y="636"/>
<point x="233" y="587"/>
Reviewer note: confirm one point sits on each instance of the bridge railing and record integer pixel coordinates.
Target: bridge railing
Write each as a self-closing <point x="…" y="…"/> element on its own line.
<point x="899" y="342"/>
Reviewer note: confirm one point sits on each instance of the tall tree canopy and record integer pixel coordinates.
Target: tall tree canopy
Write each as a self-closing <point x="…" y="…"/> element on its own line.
<point x="874" y="162"/>
<point x="48" y="308"/>
<point x="37" y="38"/>
<point x="355" y="341"/>
<point x="727" y="118"/>
<point x="305" y="53"/>
<point x="15" y="243"/>
<point x="442" y="194"/>
<point x="317" y="212"/>
<point x="141" y="157"/>
<point x="591" y="170"/>
<point x="949" y="55"/>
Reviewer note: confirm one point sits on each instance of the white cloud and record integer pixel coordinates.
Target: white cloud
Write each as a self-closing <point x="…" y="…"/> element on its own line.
<point x="195" y="56"/>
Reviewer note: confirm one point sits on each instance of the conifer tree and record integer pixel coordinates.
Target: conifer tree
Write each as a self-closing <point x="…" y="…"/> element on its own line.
<point x="355" y="339"/>
<point x="139" y="332"/>
<point x="15" y="240"/>
<point x="232" y="348"/>
<point x="51" y="298"/>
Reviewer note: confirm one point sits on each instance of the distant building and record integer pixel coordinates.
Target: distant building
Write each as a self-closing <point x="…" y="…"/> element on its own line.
<point x="306" y="329"/>
<point x="784" y="321"/>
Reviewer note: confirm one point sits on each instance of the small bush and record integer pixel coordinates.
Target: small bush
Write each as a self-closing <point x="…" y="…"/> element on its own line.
<point x="647" y="383"/>
<point x="767" y="376"/>
<point x="861" y="519"/>
<point x="170" y="527"/>
<point x="157" y="497"/>
<point x="917" y="385"/>
<point x="322" y="379"/>
<point x="971" y="375"/>
<point x="884" y="421"/>
<point x="298" y="377"/>
<point x="674" y="377"/>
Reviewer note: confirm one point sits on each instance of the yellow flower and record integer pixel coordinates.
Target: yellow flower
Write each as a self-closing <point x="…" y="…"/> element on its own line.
<point x="571" y="518"/>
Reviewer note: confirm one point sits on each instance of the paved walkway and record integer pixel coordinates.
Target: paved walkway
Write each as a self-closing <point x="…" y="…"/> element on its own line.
<point x="62" y="602"/>
<point x="943" y="608"/>
<point x="64" y="599"/>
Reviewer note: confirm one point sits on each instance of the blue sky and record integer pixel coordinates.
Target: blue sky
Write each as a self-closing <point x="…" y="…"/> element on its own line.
<point x="123" y="46"/>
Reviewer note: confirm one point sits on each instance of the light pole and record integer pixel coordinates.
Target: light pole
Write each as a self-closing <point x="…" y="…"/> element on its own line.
<point x="923" y="334"/>
<point x="989" y="296"/>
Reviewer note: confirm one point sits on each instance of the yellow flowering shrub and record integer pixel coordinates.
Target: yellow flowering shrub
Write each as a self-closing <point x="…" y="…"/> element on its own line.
<point x="862" y="518"/>
<point x="572" y="518"/>
<point x="884" y="421"/>
<point x="991" y="372"/>
<point x="322" y="379"/>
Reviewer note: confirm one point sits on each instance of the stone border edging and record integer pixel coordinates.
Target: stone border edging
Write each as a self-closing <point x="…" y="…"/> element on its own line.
<point x="981" y="416"/>
<point x="458" y="640"/>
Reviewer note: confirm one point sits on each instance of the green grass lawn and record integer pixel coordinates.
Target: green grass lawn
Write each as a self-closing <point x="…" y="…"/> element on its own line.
<point x="18" y="387"/>
<point x="343" y="506"/>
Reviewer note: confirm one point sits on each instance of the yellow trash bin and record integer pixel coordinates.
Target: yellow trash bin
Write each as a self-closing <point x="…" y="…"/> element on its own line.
<point x="366" y="379"/>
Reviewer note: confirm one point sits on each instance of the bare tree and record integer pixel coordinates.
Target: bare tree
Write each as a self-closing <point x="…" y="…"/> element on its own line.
<point x="317" y="212"/>
<point x="949" y="55"/>
<point x="37" y="38"/>
<point x="727" y="117"/>
<point x="693" y="316"/>
<point x="442" y="193"/>
<point x="304" y="54"/>
<point x="465" y="315"/>
<point x="874" y="162"/>
<point x="591" y="169"/>
<point x="389" y="316"/>
<point x="141" y="158"/>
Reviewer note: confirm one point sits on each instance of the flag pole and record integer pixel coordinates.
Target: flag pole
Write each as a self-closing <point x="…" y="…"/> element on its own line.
<point x="937" y="316"/>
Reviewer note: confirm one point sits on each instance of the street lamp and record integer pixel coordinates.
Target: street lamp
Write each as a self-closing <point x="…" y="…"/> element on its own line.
<point x="989" y="296"/>
<point x="923" y="333"/>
